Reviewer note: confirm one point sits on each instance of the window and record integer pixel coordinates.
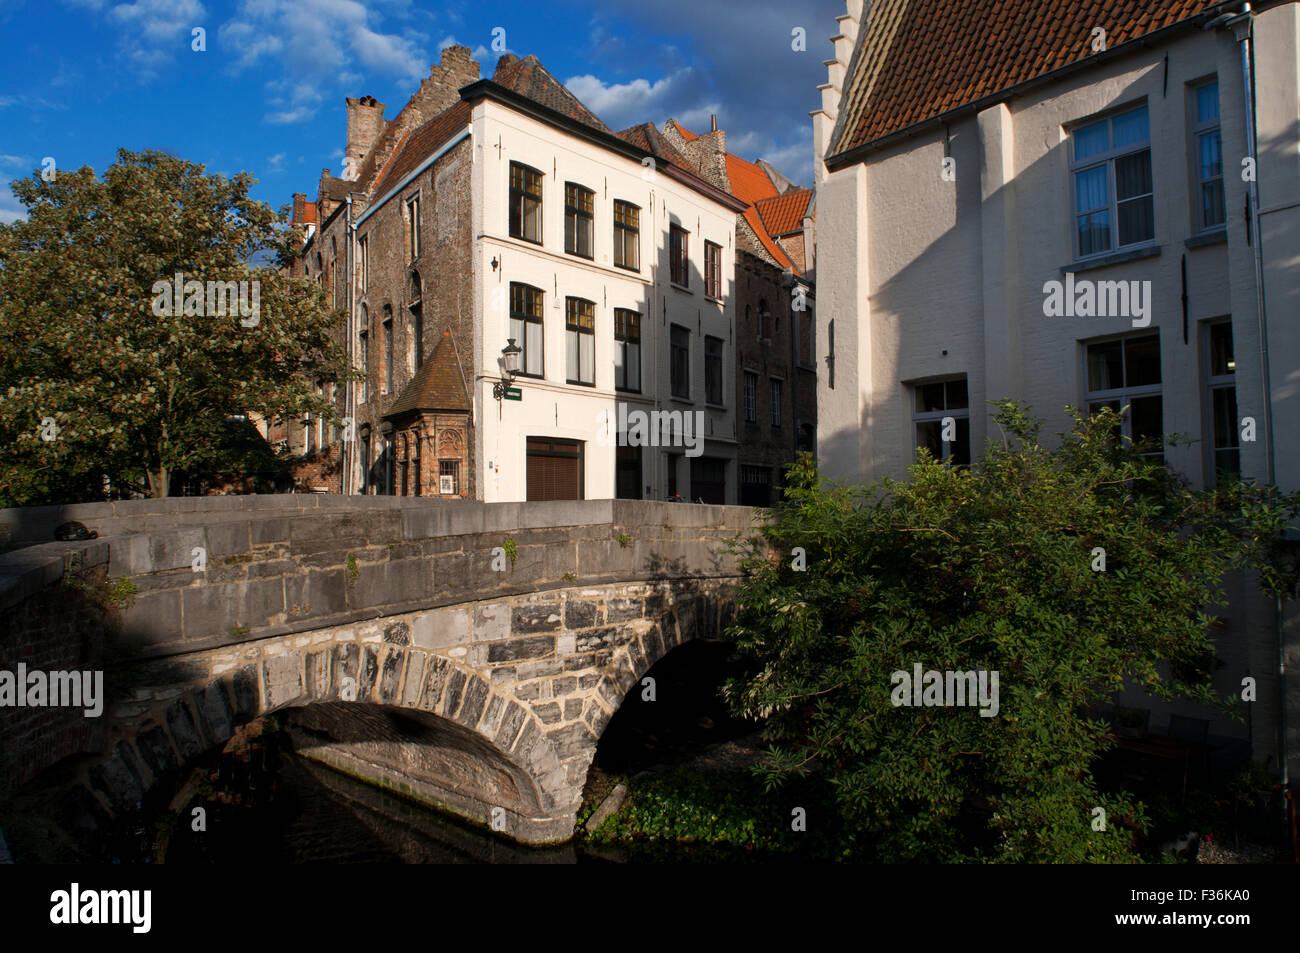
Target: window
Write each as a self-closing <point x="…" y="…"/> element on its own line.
<point x="680" y="368"/>
<point x="526" y="327"/>
<point x="776" y="388"/>
<point x="1126" y="373"/>
<point x="448" y="477"/>
<point x="525" y="203"/>
<point x="712" y="270"/>
<point x="679" y="256"/>
<point x="388" y="349"/>
<point x="627" y="473"/>
<point x="1113" y="192"/>
<point x="365" y="462"/>
<point x="627" y="350"/>
<point x="580" y="341"/>
<point x="830" y="355"/>
<point x="713" y="370"/>
<point x="579" y="222"/>
<point x="389" y="465"/>
<point x="755" y="486"/>
<point x="413" y="227"/>
<point x="415" y="354"/>
<point x="942" y="420"/>
<point x="627" y="236"/>
<point x="764" y="321"/>
<point x="363" y="263"/>
<point x="363" y="351"/>
<point x="751" y="398"/>
<point x="1222" y="378"/>
<point x="1208" y="145"/>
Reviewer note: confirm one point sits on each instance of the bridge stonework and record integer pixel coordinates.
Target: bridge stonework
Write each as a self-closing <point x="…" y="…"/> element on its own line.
<point x="402" y="654"/>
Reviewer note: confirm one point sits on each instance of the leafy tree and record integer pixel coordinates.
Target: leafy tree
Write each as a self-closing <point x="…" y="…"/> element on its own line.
<point x="134" y="394"/>
<point x="994" y="568"/>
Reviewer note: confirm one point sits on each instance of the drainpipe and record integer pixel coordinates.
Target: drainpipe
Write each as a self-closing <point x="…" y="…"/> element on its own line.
<point x="1243" y="27"/>
<point x="350" y="388"/>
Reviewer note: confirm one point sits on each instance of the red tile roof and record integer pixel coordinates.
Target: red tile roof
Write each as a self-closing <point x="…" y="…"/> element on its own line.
<point x="751" y="184"/>
<point x="528" y="77"/>
<point x="309" y="216"/>
<point x="421" y="143"/>
<point x="439" y="384"/>
<point x="916" y="59"/>
<point x="784" y="214"/>
<point x="686" y="133"/>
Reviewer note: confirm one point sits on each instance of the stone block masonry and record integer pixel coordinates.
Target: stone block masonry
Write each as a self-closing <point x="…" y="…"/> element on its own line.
<point x="403" y="654"/>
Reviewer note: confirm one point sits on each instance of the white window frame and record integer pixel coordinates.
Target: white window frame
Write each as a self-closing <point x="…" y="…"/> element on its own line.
<point x="919" y="417"/>
<point x="1107" y="159"/>
<point x="1125" y="394"/>
<point x="1199" y="130"/>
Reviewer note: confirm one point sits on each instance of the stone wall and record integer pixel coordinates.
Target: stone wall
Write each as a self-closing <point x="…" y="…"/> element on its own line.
<point x="515" y="664"/>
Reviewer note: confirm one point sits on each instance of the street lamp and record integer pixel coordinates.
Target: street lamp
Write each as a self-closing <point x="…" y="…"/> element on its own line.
<point x="510" y="365"/>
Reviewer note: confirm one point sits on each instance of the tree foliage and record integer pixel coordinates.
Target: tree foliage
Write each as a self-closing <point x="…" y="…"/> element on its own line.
<point x="134" y="395"/>
<point x="989" y="568"/>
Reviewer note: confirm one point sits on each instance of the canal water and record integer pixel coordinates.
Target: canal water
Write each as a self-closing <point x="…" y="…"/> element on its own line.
<point x="260" y="802"/>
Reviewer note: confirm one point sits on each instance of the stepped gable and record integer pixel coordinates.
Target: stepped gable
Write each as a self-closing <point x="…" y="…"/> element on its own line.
<point x="917" y="59"/>
<point x="438" y="385"/>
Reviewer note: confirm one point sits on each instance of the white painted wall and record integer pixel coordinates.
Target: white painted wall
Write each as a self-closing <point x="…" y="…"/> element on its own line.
<point x="551" y="407"/>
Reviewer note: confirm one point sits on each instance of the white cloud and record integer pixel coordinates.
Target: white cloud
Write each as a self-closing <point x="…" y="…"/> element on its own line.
<point x="10" y="210"/>
<point x="621" y="105"/>
<point x="276" y="162"/>
<point x="153" y="32"/>
<point x="320" y="45"/>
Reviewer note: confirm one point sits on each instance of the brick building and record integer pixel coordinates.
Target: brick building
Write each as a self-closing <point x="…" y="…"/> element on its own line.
<point x="776" y="374"/>
<point x="498" y="210"/>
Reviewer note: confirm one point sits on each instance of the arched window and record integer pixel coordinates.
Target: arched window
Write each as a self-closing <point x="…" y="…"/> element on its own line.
<point x="415" y="348"/>
<point x="363" y="353"/>
<point x="388" y="349"/>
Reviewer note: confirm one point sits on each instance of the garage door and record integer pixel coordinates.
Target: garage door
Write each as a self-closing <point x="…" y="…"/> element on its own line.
<point x="554" y="469"/>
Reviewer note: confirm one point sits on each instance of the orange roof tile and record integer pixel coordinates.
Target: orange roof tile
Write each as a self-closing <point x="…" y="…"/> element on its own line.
<point x="749" y="183"/>
<point x="784" y="214"/>
<point x="773" y="249"/>
<point x="417" y="145"/>
<point x="916" y="59"/>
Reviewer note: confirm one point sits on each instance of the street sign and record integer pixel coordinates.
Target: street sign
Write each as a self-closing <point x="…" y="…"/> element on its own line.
<point x="514" y="393"/>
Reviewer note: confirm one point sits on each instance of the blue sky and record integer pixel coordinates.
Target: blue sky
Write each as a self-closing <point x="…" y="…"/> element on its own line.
<point x="81" y="78"/>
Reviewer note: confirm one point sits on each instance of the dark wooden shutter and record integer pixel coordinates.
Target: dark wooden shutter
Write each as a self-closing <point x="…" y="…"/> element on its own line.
<point x="554" y="469"/>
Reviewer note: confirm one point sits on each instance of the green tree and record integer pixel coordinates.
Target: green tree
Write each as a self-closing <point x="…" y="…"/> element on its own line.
<point x="132" y="393"/>
<point x="995" y="568"/>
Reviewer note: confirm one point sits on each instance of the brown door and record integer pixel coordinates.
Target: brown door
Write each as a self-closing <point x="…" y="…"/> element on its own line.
<point x="554" y="469"/>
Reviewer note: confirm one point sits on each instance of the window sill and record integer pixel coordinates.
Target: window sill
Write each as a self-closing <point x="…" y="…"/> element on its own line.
<point x="713" y="406"/>
<point x="636" y="270"/>
<point x="581" y="383"/>
<point x="574" y="254"/>
<point x="678" y="398"/>
<point x="677" y="287"/>
<point x="1114" y="258"/>
<point x="521" y="238"/>
<point x="1217" y="237"/>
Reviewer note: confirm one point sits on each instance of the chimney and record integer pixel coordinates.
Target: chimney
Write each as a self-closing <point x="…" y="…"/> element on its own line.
<point x="299" y="207"/>
<point x="713" y="122"/>
<point x="365" y="123"/>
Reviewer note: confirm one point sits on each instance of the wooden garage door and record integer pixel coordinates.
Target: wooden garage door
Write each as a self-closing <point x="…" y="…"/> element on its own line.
<point x="554" y="469"/>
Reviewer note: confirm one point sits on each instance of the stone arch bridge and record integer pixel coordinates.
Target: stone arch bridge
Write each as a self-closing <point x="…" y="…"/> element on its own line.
<point x="467" y="654"/>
